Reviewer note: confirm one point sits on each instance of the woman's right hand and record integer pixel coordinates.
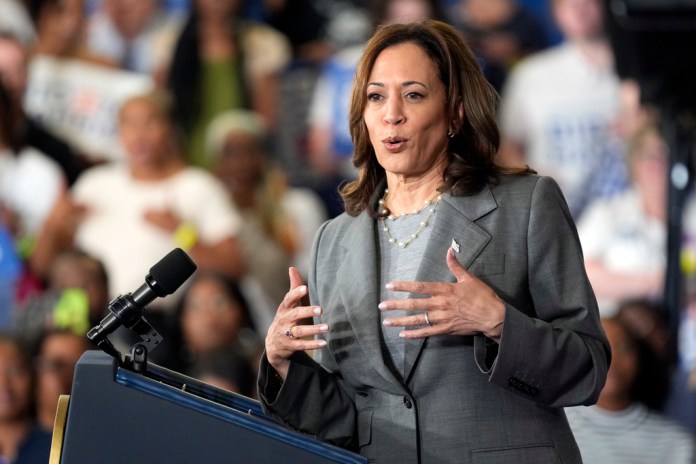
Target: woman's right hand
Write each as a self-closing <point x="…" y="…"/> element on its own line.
<point x="287" y="333"/>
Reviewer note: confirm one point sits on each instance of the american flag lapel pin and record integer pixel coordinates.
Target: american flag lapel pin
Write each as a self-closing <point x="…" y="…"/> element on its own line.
<point x="455" y="245"/>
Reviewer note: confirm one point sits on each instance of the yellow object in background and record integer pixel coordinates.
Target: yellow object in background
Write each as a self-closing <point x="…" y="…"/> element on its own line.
<point x="72" y="311"/>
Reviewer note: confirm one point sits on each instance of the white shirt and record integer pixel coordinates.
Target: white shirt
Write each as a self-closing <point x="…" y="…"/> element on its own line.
<point x="561" y="108"/>
<point x="116" y="231"/>
<point x="618" y="233"/>
<point x="30" y="183"/>
<point x="633" y="436"/>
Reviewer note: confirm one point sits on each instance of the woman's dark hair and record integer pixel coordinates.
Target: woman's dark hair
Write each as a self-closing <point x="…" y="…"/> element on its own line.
<point x="186" y="70"/>
<point x="650" y="384"/>
<point x="476" y="137"/>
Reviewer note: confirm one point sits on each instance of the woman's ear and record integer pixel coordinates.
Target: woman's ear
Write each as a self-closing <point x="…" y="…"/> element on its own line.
<point x="460" y="110"/>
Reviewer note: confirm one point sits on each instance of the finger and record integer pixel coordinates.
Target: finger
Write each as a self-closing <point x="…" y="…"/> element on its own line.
<point x="294" y="297"/>
<point x="406" y="321"/>
<point x="455" y="267"/>
<point x="295" y="277"/>
<point x="301" y="331"/>
<point x="420" y="288"/>
<point x="410" y="304"/>
<point x="296" y="280"/>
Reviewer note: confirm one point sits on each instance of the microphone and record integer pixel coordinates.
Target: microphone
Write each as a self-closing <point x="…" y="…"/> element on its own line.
<point x="164" y="278"/>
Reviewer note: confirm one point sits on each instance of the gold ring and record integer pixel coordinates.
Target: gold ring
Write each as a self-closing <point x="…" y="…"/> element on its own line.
<point x="288" y="333"/>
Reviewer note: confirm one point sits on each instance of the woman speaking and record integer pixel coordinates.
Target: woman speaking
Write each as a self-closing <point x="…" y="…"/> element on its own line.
<point x="453" y="319"/>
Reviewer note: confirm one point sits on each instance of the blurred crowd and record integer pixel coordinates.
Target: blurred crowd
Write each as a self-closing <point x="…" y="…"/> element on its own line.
<point x="131" y="127"/>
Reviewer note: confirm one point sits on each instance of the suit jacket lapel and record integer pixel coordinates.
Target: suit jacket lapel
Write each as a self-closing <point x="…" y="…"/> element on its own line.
<point x="357" y="282"/>
<point x="454" y="220"/>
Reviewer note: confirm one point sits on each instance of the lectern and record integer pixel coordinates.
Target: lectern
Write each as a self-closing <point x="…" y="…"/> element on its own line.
<point x="118" y="416"/>
<point x="125" y="410"/>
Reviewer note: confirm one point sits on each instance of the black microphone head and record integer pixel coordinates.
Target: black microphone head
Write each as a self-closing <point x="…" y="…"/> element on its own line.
<point x="170" y="272"/>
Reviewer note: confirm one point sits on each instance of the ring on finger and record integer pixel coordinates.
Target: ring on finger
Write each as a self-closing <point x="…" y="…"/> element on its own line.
<point x="288" y="333"/>
<point x="427" y="320"/>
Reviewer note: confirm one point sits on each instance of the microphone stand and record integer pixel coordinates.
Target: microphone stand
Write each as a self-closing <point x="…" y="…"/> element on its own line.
<point x="123" y="312"/>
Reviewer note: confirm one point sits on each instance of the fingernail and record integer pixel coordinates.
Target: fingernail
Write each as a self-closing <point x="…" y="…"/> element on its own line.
<point x="387" y="322"/>
<point x="317" y="311"/>
<point x="402" y="334"/>
<point x="302" y="288"/>
<point x="389" y="286"/>
<point x="324" y="327"/>
<point x="382" y="305"/>
<point x="322" y="342"/>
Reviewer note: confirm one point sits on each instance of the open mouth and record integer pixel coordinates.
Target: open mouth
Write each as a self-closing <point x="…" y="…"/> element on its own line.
<point x="394" y="143"/>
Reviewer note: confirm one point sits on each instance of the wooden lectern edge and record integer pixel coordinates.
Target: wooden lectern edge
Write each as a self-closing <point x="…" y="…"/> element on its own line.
<point x="59" y="429"/>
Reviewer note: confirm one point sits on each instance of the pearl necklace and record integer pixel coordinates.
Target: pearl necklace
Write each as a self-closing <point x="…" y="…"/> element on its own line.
<point x="423" y="224"/>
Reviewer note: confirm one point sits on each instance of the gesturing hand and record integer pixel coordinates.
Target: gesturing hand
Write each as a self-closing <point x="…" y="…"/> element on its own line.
<point x="464" y="308"/>
<point x="286" y="334"/>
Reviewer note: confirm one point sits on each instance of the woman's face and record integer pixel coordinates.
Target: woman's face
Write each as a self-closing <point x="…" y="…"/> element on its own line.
<point x="144" y="133"/>
<point x="15" y="383"/>
<point x="55" y="367"/>
<point x="579" y="19"/>
<point x="406" y="112"/>
<point x="242" y="161"/>
<point x="211" y="318"/>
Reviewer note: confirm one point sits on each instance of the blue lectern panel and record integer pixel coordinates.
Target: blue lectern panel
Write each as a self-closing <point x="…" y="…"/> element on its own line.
<point x="118" y="416"/>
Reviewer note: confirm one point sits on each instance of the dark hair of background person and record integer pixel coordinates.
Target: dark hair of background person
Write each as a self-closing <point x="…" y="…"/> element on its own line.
<point x="186" y="69"/>
<point x="476" y="136"/>
<point x="652" y="381"/>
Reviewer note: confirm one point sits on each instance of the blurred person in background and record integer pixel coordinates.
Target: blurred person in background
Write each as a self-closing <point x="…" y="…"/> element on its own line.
<point x="621" y="428"/>
<point x="14" y="75"/>
<point x="55" y="364"/>
<point x="213" y="315"/>
<point x="60" y="31"/>
<point x="137" y="34"/>
<point x="30" y="185"/>
<point x="22" y="440"/>
<point x="222" y="62"/>
<point x="624" y="237"/>
<point x="560" y="108"/>
<point x="130" y="215"/>
<point x="30" y="182"/>
<point x="75" y="298"/>
<point x="501" y="32"/>
<point x="278" y="221"/>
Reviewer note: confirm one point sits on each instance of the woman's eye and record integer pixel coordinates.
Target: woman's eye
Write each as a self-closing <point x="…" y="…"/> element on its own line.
<point x="373" y="97"/>
<point x="414" y="96"/>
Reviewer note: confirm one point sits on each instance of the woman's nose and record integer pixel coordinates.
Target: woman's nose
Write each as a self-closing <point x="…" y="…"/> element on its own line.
<point x="394" y="112"/>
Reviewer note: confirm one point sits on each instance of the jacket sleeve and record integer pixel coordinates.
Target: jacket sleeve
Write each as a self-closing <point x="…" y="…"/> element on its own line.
<point x="313" y="399"/>
<point x="559" y="356"/>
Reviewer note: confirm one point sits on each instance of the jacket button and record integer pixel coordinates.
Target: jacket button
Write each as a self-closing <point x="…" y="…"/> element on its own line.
<point x="407" y="402"/>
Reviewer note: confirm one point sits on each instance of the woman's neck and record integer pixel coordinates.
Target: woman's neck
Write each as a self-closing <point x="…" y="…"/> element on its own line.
<point x="154" y="172"/>
<point x="406" y="196"/>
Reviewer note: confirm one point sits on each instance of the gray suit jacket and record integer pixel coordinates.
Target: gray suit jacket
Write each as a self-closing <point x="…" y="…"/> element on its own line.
<point x="464" y="399"/>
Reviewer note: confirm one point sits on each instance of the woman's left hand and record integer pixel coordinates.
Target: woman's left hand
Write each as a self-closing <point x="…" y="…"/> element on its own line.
<point x="464" y="308"/>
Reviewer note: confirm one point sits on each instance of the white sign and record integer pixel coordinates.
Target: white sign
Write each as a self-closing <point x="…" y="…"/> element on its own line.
<point x="80" y="102"/>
